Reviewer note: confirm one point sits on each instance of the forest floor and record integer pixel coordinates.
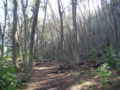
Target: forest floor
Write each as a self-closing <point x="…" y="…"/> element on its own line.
<point x="45" y="77"/>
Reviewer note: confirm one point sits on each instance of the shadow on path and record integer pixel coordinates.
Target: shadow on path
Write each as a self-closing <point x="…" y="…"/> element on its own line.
<point x="44" y="79"/>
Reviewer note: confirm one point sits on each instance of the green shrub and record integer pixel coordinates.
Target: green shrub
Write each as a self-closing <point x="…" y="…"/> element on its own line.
<point x="91" y="54"/>
<point x="111" y="57"/>
<point x="8" y="78"/>
<point x="103" y="73"/>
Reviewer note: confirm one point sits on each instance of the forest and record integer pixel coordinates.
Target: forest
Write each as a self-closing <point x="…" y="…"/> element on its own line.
<point x="60" y="45"/>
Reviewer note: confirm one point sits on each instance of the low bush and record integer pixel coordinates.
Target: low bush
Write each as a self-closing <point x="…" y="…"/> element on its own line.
<point x="111" y="59"/>
<point x="103" y="73"/>
<point x="8" y="78"/>
<point x="91" y="54"/>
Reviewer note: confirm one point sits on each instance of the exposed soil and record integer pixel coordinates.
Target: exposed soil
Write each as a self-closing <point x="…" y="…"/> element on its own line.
<point x="45" y="78"/>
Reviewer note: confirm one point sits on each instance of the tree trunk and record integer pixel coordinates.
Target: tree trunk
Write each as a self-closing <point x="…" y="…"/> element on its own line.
<point x="24" y="7"/>
<point x="62" y="32"/>
<point x="4" y="27"/>
<point x="32" y="37"/>
<point x="115" y="17"/>
<point x="43" y="27"/>
<point x="75" y="46"/>
<point x="14" y="42"/>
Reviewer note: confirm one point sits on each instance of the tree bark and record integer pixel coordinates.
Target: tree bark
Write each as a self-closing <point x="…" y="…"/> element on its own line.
<point x="62" y="32"/>
<point x="115" y="17"/>
<point x="43" y="28"/>
<point x="24" y="7"/>
<point x="32" y="37"/>
<point x="14" y="42"/>
<point x="75" y="46"/>
<point x="4" y="27"/>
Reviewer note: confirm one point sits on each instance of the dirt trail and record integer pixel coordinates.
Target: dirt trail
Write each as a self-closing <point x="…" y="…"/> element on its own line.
<point x="44" y="79"/>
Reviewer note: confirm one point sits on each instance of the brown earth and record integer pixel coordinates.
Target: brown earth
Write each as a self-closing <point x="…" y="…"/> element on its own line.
<point x="45" y="78"/>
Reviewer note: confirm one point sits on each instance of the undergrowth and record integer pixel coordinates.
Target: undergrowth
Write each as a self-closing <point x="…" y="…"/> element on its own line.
<point x="8" y="78"/>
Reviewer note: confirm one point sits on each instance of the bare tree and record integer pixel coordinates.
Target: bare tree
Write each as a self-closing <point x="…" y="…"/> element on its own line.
<point x="62" y="31"/>
<point x="115" y="17"/>
<point x="32" y="36"/>
<point x="4" y="27"/>
<point x="14" y="29"/>
<point x="74" y="15"/>
<point x="24" y="7"/>
<point x="43" y="26"/>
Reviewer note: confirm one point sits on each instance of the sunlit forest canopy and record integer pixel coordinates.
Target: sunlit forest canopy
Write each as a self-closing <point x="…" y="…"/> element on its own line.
<point x="72" y="43"/>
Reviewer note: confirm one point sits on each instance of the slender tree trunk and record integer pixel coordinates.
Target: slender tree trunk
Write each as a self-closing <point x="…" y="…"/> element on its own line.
<point x="24" y="7"/>
<point x="14" y="43"/>
<point x="1" y="37"/>
<point x="2" y="51"/>
<point x="4" y="27"/>
<point x="43" y="27"/>
<point x="62" y="32"/>
<point x="115" y="17"/>
<point x="75" y="46"/>
<point x="32" y="37"/>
